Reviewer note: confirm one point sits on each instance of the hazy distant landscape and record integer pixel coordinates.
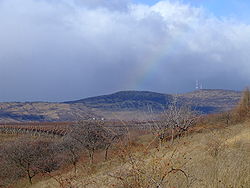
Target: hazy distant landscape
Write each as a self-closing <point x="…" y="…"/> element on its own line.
<point x="121" y="103"/>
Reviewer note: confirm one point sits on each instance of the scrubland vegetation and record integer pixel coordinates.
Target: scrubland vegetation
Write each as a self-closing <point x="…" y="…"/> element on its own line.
<point x="178" y="149"/>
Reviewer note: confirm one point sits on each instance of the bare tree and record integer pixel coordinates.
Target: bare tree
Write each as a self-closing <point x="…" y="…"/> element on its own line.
<point x="175" y="121"/>
<point x="111" y="136"/>
<point x="6" y="170"/>
<point x="30" y="157"/>
<point x="50" y="157"/>
<point x="71" y="149"/>
<point x="93" y="135"/>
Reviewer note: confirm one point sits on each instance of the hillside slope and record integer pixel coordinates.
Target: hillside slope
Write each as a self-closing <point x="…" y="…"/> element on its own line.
<point x="38" y="111"/>
<point x="215" y="158"/>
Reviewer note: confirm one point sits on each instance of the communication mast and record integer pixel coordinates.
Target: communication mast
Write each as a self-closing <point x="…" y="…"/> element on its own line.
<point x="198" y="85"/>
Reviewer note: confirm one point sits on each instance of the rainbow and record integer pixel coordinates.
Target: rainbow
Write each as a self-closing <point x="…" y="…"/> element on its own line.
<point x="151" y="63"/>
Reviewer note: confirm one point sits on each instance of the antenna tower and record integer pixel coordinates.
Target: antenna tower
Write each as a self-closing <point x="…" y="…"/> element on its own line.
<point x="197" y="85"/>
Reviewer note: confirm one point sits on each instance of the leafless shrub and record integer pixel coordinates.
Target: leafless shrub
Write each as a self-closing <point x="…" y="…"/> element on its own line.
<point x="175" y="121"/>
<point x="156" y="172"/>
<point x="27" y="157"/>
<point x="215" y="147"/>
<point x="243" y="108"/>
<point x="93" y="136"/>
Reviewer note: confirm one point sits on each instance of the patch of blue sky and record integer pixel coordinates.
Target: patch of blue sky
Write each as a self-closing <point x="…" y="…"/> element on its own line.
<point x="234" y="9"/>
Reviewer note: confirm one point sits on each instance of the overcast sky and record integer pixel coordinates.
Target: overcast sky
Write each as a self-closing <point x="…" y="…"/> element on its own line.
<point x="59" y="50"/>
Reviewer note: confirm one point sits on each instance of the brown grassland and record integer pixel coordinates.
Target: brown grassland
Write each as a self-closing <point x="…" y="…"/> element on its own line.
<point x="212" y="158"/>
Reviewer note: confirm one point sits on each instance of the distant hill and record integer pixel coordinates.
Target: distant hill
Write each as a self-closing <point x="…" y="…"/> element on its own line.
<point x="206" y="100"/>
<point x="126" y="104"/>
<point x="211" y="100"/>
<point x="39" y="111"/>
<point x="127" y="100"/>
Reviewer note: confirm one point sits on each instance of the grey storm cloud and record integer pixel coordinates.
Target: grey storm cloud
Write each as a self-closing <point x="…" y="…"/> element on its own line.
<point x="56" y="50"/>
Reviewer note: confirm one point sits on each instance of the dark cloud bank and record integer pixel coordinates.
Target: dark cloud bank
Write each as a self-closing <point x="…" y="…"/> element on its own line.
<point x="63" y="50"/>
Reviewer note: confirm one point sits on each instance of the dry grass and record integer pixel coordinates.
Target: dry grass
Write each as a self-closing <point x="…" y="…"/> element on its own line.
<point x="7" y="137"/>
<point x="215" y="159"/>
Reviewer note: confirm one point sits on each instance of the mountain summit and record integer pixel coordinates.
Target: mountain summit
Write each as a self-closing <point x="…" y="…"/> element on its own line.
<point x="127" y="100"/>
